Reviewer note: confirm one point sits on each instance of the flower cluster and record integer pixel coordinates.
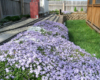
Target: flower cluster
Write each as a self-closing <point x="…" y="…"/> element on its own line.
<point x="45" y="50"/>
<point x="66" y="12"/>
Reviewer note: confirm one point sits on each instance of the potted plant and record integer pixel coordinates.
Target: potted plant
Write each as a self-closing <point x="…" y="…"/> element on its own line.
<point x="82" y="10"/>
<point x="75" y="10"/>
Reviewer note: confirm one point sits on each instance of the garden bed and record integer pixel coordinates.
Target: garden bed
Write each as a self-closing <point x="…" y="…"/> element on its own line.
<point x="44" y="52"/>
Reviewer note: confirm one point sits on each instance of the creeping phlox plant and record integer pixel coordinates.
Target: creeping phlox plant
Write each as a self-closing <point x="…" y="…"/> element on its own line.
<point x="66" y="12"/>
<point x="43" y="52"/>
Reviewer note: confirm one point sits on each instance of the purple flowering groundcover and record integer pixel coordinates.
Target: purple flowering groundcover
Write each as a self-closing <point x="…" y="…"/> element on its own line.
<point x="45" y="51"/>
<point x="66" y="12"/>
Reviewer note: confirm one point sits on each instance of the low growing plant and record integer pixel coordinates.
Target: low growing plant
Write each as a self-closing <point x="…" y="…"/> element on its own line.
<point x="12" y="18"/>
<point x="27" y="16"/>
<point x="8" y="18"/>
<point x="15" y="18"/>
<point x="75" y="9"/>
<point x="81" y="9"/>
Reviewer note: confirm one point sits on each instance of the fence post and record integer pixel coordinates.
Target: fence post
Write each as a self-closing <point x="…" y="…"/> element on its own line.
<point x="1" y="15"/>
<point x="63" y="5"/>
<point x="22" y="6"/>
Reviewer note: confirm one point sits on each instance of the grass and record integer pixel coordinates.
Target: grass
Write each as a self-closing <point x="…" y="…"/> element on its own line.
<point x="85" y="37"/>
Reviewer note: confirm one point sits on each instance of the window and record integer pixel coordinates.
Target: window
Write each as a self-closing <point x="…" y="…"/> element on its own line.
<point x="97" y="1"/>
<point x="90" y="2"/>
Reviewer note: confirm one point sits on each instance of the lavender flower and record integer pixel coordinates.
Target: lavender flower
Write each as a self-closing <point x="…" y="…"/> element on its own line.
<point x="7" y="70"/>
<point x="66" y="12"/>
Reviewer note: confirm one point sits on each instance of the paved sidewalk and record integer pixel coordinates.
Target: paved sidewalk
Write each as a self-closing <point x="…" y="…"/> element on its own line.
<point x="17" y="24"/>
<point x="4" y="36"/>
<point x="56" y="20"/>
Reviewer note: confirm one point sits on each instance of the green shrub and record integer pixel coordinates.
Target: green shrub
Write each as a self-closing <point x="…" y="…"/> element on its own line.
<point x="75" y="9"/>
<point x="27" y="16"/>
<point x="12" y="18"/>
<point x="81" y="9"/>
<point x="8" y="18"/>
<point x="55" y="11"/>
<point x="15" y="18"/>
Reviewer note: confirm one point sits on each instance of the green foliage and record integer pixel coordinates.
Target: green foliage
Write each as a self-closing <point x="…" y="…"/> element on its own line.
<point x="12" y="18"/>
<point x="82" y="35"/>
<point x="40" y="49"/>
<point x="43" y="31"/>
<point x="8" y="18"/>
<point x="56" y="34"/>
<point x="52" y="48"/>
<point x="55" y="11"/>
<point x="3" y="21"/>
<point x="20" y="42"/>
<point x="81" y="9"/>
<point x="15" y="18"/>
<point x="63" y="36"/>
<point x="49" y="32"/>
<point x="75" y="9"/>
<point x="27" y="16"/>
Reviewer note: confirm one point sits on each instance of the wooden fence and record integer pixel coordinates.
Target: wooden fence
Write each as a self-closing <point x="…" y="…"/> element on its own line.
<point x="13" y="7"/>
<point x="93" y="14"/>
<point x="68" y="5"/>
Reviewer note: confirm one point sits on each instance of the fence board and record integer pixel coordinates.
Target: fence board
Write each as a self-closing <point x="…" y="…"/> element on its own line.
<point x="89" y="14"/>
<point x="26" y="8"/>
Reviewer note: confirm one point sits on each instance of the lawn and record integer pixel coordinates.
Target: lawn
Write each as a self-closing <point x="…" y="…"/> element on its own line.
<point x="85" y="37"/>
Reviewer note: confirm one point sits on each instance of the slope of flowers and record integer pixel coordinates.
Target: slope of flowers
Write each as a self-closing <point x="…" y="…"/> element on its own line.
<point x="44" y="52"/>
